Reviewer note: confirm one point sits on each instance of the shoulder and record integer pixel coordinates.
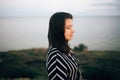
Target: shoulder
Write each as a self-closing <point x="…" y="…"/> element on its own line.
<point x="53" y="52"/>
<point x="55" y="57"/>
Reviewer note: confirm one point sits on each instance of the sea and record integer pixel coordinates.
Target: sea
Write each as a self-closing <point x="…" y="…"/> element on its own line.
<point x="96" y="32"/>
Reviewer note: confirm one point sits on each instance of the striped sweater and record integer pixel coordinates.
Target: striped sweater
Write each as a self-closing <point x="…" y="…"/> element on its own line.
<point x="60" y="66"/>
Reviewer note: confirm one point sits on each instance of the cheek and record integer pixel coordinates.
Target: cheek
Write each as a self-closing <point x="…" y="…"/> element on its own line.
<point x="65" y="34"/>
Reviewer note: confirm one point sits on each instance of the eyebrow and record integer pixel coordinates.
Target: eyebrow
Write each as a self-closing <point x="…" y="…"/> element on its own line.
<point x="69" y="26"/>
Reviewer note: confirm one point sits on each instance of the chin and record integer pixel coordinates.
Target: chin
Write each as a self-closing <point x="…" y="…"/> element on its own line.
<point x="69" y="39"/>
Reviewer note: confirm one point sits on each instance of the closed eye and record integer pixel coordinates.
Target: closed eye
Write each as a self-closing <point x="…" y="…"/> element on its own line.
<point x="68" y="28"/>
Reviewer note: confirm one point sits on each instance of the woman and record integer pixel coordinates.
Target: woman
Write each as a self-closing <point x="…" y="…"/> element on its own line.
<point x="61" y="63"/>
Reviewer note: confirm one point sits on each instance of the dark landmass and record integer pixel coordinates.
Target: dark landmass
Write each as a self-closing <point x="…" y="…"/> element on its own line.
<point x="29" y="64"/>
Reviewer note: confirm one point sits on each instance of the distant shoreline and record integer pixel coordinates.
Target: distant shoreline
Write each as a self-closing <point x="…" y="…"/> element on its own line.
<point x="46" y="49"/>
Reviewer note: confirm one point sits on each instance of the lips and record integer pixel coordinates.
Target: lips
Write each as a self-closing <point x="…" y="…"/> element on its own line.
<point x="71" y="35"/>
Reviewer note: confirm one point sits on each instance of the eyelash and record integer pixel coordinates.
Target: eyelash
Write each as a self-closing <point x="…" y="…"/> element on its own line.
<point x="67" y="28"/>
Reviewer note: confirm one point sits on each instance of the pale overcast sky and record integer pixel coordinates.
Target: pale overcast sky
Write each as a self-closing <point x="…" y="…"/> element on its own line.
<point x="48" y="7"/>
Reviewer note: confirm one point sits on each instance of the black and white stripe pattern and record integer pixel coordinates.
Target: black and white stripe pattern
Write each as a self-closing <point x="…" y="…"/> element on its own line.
<point x="60" y="66"/>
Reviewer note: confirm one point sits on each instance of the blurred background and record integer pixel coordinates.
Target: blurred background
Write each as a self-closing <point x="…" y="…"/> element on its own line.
<point x="24" y="43"/>
<point x="24" y="23"/>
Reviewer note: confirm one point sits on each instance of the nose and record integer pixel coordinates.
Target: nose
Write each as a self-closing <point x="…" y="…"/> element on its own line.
<point x="73" y="30"/>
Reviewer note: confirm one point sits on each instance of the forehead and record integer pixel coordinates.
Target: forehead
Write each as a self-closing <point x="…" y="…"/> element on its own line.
<point x="68" y="21"/>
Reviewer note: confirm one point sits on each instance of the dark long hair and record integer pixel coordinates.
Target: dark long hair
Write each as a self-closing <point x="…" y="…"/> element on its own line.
<point x="56" y="31"/>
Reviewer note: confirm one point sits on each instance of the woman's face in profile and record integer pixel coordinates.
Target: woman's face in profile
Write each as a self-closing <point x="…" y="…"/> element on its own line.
<point x="68" y="29"/>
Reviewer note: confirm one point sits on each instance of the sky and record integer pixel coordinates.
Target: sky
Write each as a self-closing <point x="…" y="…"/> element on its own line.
<point x="48" y="7"/>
